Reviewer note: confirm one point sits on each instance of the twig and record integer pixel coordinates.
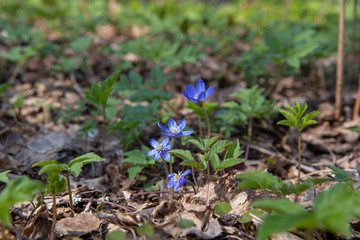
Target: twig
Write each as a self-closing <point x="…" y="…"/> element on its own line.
<point x="340" y="56"/>
<point x="357" y="102"/>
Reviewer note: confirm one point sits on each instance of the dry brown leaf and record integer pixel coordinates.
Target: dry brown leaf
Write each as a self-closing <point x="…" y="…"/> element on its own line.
<point x="40" y="226"/>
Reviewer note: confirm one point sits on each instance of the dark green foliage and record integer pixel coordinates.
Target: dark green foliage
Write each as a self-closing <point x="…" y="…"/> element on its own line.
<point x="18" y="190"/>
<point x="185" y="223"/>
<point x="3" y="88"/>
<point x="332" y="210"/>
<point x="222" y="208"/>
<point x="341" y="175"/>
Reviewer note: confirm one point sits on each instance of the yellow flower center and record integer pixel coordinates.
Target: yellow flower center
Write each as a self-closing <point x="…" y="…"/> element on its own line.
<point x="159" y="148"/>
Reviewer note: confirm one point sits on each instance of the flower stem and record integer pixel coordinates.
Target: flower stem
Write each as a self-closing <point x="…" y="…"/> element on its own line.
<point x="171" y="167"/>
<point x="52" y="234"/>
<point x="299" y="156"/>
<point x="103" y="138"/>
<point x="207" y="121"/>
<point x="165" y="167"/>
<point x="208" y="190"/>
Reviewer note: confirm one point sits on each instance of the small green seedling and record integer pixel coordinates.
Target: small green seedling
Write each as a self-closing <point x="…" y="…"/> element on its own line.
<point x="294" y="118"/>
<point x="98" y="95"/>
<point x="17" y="190"/>
<point x="326" y="214"/>
<point x="3" y="88"/>
<point x="74" y="167"/>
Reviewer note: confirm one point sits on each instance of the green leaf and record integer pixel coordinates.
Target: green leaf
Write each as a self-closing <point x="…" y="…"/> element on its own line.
<point x="281" y="206"/>
<point x="17" y="190"/>
<point x="116" y="235"/>
<point x="192" y="163"/>
<point x="145" y="230"/>
<point x="229" y="163"/>
<point x="222" y="208"/>
<point x="215" y="162"/>
<point x="75" y="165"/>
<point x="218" y="146"/>
<point x="135" y="157"/>
<point x="341" y="175"/>
<point x="57" y="167"/>
<point x="286" y="123"/>
<point x="3" y="177"/>
<point x="290" y="117"/>
<point x="133" y="171"/>
<point x="57" y="184"/>
<point x="233" y="151"/>
<point x="208" y="142"/>
<point x="197" y="144"/>
<point x="3" y="88"/>
<point x="209" y="108"/>
<point x="183" y="154"/>
<point x="354" y="128"/>
<point x="185" y="223"/>
<point x="299" y="188"/>
<point x="44" y="163"/>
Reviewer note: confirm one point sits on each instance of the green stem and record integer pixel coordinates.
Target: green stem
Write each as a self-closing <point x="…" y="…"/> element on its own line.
<point x="249" y="139"/>
<point x="299" y="156"/>
<point x="69" y="190"/>
<point x="198" y="183"/>
<point x="207" y="121"/>
<point x="165" y="166"/>
<point x="208" y="190"/>
<point x="103" y="138"/>
<point x="193" y="186"/>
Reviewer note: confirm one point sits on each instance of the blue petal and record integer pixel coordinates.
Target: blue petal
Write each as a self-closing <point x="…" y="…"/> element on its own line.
<point x="157" y="155"/>
<point x="187" y="133"/>
<point x="164" y="142"/>
<point x="163" y="127"/>
<point x="167" y="147"/>
<point x="201" y="97"/>
<point x="209" y="92"/>
<point x="165" y="155"/>
<point x="172" y="124"/>
<point x="177" y="185"/>
<point x="152" y="152"/>
<point x="154" y="143"/>
<point x="182" y="181"/>
<point x="190" y="90"/>
<point x="191" y="99"/>
<point x="200" y="86"/>
<point x="171" y="175"/>
<point x="169" y="134"/>
<point x="186" y="172"/>
<point x="171" y="183"/>
<point x="181" y="125"/>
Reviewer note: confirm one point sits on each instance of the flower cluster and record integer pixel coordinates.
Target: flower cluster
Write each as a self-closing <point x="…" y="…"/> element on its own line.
<point x="196" y="95"/>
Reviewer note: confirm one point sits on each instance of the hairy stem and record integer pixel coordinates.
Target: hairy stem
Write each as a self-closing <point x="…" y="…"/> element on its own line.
<point x="249" y="139"/>
<point x="207" y="121"/>
<point x="103" y="138"/>
<point x="69" y="190"/>
<point x="171" y="167"/>
<point x="208" y="190"/>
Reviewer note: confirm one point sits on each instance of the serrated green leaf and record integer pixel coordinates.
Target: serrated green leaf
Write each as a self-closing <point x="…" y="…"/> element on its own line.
<point x="75" y="165"/>
<point x="340" y="175"/>
<point x="290" y="117"/>
<point x="135" y="157"/>
<point x="286" y="123"/>
<point x="207" y="143"/>
<point x="215" y="161"/>
<point x="57" y="184"/>
<point x="203" y="162"/>
<point x="57" y="167"/>
<point x="233" y="151"/>
<point x="185" y="224"/>
<point x="3" y="177"/>
<point x="299" y="188"/>
<point x="197" y="144"/>
<point x="183" y="154"/>
<point x="44" y="163"/>
<point x="192" y="163"/>
<point x="145" y="230"/>
<point x="218" y="146"/>
<point x="133" y="171"/>
<point x="222" y="208"/>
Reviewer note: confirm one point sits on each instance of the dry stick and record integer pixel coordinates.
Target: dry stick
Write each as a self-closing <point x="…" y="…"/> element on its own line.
<point x="16" y="71"/>
<point x="357" y="102"/>
<point x="354" y="32"/>
<point x="340" y="59"/>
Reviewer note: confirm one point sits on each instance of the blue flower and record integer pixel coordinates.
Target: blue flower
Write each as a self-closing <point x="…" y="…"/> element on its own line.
<point x="174" y="129"/>
<point x="159" y="149"/>
<point x="198" y="95"/>
<point x="177" y="179"/>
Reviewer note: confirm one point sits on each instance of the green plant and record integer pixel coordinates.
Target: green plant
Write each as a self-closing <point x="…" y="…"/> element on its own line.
<point x="18" y="190"/>
<point x="53" y="168"/>
<point x="3" y="88"/>
<point x="98" y="95"/>
<point x="3" y="177"/>
<point x="294" y="118"/>
<point x="331" y="211"/>
<point x="253" y="106"/>
<point x="266" y="181"/>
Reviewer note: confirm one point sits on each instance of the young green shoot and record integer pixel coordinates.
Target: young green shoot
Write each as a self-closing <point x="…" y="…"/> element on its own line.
<point x="295" y="119"/>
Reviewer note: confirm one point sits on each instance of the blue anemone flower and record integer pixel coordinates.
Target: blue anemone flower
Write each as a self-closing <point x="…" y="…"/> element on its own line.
<point x="174" y="129"/>
<point x="198" y="95"/>
<point x="176" y="179"/>
<point x="160" y="149"/>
